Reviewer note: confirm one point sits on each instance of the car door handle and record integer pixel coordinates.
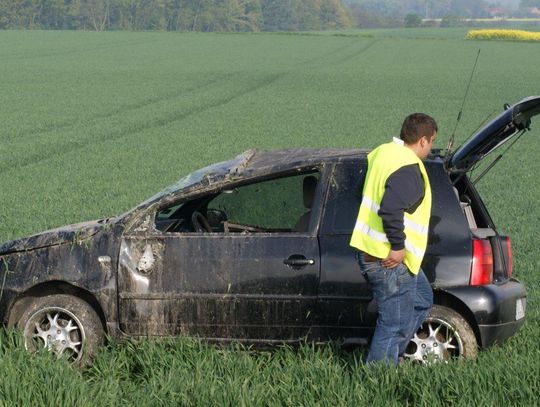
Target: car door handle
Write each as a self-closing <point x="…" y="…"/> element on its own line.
<point x="297" y="261"/>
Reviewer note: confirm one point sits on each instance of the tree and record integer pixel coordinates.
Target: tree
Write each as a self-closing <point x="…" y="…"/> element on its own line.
<point x="236" y="15"/>
<point x="19" y="13"/>
<point x="96" y="12"/>
<point x="334" y="15"/>
<point x="412" y="20"/>
<point x="188" y="15"/>
<point x="373" y="13"/>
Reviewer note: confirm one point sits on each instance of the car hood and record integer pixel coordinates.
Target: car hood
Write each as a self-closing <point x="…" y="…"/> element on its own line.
<point x="65" y="234"/>
<point x="510" y="122"/>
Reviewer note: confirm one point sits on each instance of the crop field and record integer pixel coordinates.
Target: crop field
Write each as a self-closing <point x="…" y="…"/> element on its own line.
<point x="94" y="123"/>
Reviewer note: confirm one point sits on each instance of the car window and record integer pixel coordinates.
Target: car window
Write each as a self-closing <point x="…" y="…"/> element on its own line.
<point x="276" y="205"/>
<point x="344" y="197"/>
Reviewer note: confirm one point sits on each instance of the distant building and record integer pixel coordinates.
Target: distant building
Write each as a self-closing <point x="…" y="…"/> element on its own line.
<point x="498" y="12"/>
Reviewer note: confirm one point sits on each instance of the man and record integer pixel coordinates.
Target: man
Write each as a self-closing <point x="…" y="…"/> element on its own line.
<point x="391" y="235"/>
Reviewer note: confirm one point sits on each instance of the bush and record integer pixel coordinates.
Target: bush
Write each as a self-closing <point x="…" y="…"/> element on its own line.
<point x="412" y="20"/>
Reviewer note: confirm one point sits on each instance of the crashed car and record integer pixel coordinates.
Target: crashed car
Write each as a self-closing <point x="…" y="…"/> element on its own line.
<point x="256" y="249"/>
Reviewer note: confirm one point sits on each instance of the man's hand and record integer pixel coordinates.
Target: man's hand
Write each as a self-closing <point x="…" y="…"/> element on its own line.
<point x="394" y="258"/>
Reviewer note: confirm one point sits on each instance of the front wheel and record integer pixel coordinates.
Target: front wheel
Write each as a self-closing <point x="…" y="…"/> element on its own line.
<point x="443" y="336"/>
<point x="63" y="324"/>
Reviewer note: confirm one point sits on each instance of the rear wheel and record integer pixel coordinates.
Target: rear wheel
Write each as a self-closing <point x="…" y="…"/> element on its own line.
<point x="444" y="335"/>
<point x="63" y="324"/>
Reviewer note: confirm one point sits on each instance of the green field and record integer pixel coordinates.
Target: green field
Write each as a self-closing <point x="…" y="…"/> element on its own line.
<point x="94" y="123"/>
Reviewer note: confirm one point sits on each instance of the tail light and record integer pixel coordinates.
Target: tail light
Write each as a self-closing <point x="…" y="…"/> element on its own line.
<point x="508" y="256"/>
<point x="482" y="264"/>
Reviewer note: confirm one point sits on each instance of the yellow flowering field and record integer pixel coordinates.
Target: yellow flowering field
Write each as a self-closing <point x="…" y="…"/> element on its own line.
<point x="512" y="35"/>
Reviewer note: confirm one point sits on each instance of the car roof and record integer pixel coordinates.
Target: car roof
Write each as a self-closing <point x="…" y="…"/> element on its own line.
<point x="258" y="162"/>
<point x="261" y="160"/>
<point x="254" y="164"/>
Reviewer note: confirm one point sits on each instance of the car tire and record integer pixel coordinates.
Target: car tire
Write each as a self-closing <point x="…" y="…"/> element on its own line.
<point x="66" y="325"/>
<point x="444" y="335"/>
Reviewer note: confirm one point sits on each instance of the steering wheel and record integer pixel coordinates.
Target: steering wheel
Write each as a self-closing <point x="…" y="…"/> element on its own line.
<point x="200" y="223"/>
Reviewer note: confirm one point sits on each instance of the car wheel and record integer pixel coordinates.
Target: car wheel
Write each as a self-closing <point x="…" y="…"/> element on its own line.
<point x="63" y="324"/>
<point x="444" y="335"/>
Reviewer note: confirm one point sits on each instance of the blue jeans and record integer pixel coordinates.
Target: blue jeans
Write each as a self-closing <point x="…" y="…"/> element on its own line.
<point x="404" y="300"/>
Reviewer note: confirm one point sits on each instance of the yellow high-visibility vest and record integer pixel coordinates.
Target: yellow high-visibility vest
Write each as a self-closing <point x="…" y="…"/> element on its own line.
<point x="368" y="235"/>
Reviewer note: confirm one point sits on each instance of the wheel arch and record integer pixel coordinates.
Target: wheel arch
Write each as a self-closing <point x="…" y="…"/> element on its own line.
<point x="446" y="299"/>
<point x="51" y="288"/>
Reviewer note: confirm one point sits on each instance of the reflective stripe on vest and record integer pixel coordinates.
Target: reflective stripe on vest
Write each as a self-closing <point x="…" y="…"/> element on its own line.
<point x="408" y="223"/>
<point x="368" y="234"/>
<point x="381" y="237"/>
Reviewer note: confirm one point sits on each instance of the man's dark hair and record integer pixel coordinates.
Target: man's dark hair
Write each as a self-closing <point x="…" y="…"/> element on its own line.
<point x="417" y="125"/>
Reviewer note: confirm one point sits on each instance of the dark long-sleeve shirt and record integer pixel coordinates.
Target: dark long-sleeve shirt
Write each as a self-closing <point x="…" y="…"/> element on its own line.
<point x="403" y="192"/>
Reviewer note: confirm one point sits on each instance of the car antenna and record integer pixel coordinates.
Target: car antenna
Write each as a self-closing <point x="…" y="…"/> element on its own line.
<point x="452" y="137"/>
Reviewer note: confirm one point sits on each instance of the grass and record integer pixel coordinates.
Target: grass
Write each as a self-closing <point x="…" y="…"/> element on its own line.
<point x="189" y="373"/>
<point x="105" y="120"/>
<point x="132" y="112"/>
<point x="94" y="123"/>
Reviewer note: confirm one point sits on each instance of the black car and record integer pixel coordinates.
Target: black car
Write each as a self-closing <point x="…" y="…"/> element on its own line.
<point x="257" y="249"/>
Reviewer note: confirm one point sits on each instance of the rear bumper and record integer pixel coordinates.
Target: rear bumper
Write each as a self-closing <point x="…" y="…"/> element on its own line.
<point x="495" y="309"/>
<point x="492" y="334"/>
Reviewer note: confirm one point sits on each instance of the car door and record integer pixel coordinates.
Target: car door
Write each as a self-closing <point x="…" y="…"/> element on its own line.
<point x="345" y="306"/>
<point x="255" y="279"/>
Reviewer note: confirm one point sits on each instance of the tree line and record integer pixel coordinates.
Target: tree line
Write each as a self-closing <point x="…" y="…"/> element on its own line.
<point x="175" y="15"/>
<point x="394" y="13"/>
<point x="241" y="15"/>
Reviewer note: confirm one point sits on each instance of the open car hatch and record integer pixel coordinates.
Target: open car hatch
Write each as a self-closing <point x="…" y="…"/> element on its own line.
<point x="512" y="121"/>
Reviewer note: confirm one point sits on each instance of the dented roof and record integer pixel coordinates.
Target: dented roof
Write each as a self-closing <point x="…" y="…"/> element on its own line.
<point x="253" y="163"/>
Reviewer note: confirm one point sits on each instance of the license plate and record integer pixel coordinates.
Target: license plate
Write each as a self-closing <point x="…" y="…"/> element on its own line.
<point x="520" y="308"/>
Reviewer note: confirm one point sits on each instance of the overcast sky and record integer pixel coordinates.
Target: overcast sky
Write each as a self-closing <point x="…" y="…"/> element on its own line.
<point x="511" y="3"/>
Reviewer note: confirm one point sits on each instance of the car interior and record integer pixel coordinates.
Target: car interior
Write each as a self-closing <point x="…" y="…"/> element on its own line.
<point x="279" y="205"/>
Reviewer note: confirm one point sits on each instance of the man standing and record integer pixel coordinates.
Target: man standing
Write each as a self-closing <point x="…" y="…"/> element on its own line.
<point x="391" y="235"/>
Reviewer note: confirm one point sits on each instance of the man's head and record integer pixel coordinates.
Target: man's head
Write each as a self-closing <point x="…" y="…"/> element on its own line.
<point x="419" y="132"/>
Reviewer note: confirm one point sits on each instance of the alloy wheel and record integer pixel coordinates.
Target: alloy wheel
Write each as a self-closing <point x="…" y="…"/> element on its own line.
<point x="435" y="341"/>
<point x="56" y="329"/>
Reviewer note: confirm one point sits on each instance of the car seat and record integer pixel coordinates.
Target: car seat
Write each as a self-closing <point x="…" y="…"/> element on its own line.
<point x="309" y="188"/>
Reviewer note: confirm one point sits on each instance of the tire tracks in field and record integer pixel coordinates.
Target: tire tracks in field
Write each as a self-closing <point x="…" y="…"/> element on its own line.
<point x="312" y="62"/>
<point x="319" y="61"/>
<point x="357" y="53"/>
<point x="74" y="145"/>
<point x="120" y="110"/>
<point x="82" y="50"/>
<point x="69" y="146"/>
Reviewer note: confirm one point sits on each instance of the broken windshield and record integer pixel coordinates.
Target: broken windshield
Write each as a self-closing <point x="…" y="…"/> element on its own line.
<point x="222" y="169"/>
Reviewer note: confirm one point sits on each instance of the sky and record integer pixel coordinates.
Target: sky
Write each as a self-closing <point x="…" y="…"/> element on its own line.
<point x="508" y="3"/>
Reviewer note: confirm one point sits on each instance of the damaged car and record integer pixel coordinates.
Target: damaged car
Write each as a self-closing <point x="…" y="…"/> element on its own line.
<point x="256" y="249"/>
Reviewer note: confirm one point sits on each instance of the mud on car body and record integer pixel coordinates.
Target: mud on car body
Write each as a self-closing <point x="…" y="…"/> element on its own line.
<point x="256" y="249"/>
